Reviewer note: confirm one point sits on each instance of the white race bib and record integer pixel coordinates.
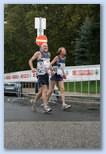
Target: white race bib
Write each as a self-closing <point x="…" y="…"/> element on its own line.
<point x="59" y="72"/>
<point x="60" y="69"/>
<point x="42" y="66"/>
<point x="46" y="63"/>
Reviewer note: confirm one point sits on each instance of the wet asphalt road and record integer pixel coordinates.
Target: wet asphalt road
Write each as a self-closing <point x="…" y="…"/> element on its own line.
<point x="16" y="109"/>
<point x="77" y="129"/>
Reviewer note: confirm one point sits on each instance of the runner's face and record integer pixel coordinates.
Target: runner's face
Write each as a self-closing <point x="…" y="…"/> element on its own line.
<point x="63" y="52"/>
<point x="45" y="47"/>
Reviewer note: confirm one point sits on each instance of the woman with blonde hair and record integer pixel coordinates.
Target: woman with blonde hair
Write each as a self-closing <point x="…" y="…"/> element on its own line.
<point x="58" y="75"/>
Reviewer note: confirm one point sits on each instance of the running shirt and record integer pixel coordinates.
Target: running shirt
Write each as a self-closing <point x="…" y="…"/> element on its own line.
<point x="43" y="63"/>
<point x="59" y="66"/>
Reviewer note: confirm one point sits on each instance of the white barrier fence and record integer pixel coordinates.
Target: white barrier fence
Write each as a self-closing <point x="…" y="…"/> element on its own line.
<point x="75" y="75"/>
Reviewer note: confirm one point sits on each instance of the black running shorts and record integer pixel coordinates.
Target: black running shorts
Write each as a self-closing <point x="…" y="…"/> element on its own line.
<point x="43" y="80"/>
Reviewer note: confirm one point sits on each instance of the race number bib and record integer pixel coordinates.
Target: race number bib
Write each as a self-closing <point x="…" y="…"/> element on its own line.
<point x="40" y="68"/>
<point x="43" y="65"/>
<point x="47" y="63"/>
<point x="60" y="69"/>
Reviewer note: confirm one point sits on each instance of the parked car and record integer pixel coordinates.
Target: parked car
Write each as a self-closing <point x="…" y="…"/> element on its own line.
<point x="13" y="88"/>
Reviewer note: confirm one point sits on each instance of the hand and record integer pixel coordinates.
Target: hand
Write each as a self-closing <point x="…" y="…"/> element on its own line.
<point x="33" y="70"/>
<point x="52" y="73"/>
<point x="64" y="76"/>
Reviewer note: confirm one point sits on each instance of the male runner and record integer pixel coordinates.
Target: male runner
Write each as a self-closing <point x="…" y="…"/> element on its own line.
<point x="43" y="64"/>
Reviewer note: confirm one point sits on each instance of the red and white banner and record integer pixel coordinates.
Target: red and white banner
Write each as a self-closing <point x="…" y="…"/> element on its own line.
<point x="83" y="73"/>
<point x="74" y="73"/>
<point x="22" y="76"/>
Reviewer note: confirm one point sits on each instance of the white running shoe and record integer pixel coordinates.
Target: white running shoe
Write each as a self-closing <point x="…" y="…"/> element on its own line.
<point x="66" y="106"/>
<point x="47" y="109"/>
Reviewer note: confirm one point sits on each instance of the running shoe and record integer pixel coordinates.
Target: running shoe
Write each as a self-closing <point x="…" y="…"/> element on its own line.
<point x="66" y="106"/>
<point x="47" y="109"/>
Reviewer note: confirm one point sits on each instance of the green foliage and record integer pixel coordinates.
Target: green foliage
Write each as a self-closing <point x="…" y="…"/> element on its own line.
<point x="86" y="47"/>
<point x="65" y="24"/>
<point x="82" y="45"/>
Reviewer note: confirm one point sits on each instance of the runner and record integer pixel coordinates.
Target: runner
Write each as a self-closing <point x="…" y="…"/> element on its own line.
<point x="43" y="64"/>
<point x="58" y="75"/>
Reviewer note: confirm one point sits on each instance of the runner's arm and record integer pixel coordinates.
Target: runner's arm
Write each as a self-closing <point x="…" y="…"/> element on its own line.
<point x="34" y="57"/>
<point x="64" y="74"/>
<point x="53" y="62"/>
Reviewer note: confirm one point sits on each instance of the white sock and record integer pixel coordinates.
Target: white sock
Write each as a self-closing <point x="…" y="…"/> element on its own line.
<point x="63" y="103"/>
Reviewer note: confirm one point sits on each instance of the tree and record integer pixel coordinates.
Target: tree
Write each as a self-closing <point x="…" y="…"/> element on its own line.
<point x="84" y="50"/>
<point x="63" y="23"/>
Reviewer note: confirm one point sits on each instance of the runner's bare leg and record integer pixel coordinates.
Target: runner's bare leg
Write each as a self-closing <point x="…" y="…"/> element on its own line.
<point x="51" y="88"/>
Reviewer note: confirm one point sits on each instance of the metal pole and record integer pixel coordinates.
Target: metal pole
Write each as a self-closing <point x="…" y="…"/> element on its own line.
<point x="96" y="86"/>
<point x="41" y="30"/>
<point x="68" y="86"/>
<point x="40" y="24"/>
<point x="88" y="87"/>
<point x="74" y="87"/>
<point x="81" y="87"/>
